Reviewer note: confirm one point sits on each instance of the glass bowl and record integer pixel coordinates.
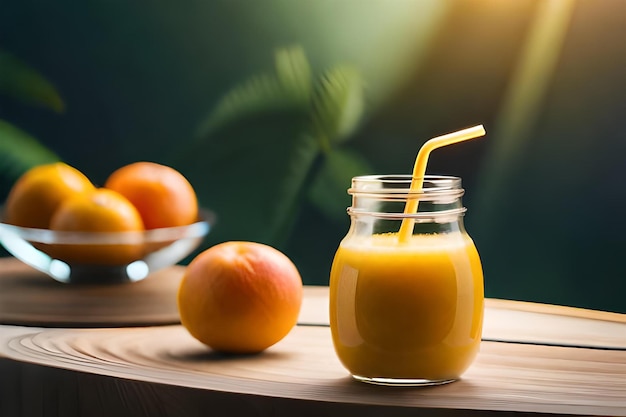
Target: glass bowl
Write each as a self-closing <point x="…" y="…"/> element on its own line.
<point x="87" y="257"/>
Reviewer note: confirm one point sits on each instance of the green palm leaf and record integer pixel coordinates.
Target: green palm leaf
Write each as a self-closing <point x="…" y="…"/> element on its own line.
<point x="251" y="174"/>
<point x="260" y="150"/>
<point x="328" y="191"/>
<point x="19" y="81"/>
<point x="338" y="105"/>
<point x="20" y="151"/>
<point x="294" y="73"/>
<point x="289" y="88"/>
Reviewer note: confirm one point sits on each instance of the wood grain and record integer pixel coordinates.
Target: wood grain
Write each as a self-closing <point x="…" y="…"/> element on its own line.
<point x="303" y="367"/>
<point x="535" y="359"/>
<point x="31" y="298"/>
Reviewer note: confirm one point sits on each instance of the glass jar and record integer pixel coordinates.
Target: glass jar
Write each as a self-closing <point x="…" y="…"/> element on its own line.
<point x="406" y="308"/>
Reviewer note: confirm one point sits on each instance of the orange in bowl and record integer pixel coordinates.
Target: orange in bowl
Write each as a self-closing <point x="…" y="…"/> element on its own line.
<point x="240" y="297"/>
<point x="37" y="194"/>
<point x="58" y="222"/>
<point x="102" y="211"/>
<point x="161" y="194"/>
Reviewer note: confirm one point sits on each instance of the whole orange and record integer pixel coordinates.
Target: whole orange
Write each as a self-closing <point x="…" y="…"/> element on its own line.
<point x="163" y="196"/>
<point x="99" y="211"/>
<point x="240" y="297"/>
<point x="38" y="192"/>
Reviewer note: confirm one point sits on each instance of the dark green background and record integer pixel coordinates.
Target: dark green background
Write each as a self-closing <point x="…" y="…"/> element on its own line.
<point x="138" y="77"/>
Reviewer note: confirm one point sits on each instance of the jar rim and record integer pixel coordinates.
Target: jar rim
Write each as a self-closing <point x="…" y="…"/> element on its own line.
<point x="401" y="184"/>
<point x="443" y="216"/>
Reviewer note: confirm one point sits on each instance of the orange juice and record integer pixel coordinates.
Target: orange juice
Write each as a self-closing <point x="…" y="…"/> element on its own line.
<point x="406" y="311"/>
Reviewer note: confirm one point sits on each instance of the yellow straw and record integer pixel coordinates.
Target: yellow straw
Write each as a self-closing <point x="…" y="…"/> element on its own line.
<point x="419" y="170"/>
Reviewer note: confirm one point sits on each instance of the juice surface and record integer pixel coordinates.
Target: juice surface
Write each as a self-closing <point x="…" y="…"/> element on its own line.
<point x="410" y="310"/>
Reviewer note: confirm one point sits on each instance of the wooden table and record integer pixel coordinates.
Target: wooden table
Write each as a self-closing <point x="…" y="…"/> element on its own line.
<point x="535" y="359"/>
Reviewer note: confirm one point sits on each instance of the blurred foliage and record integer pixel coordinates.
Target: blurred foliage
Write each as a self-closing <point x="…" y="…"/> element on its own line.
<point x="21" y="82"/>
<point x="270" y="145"/>
<point x="18" y="149"/>
<point x="544" y="192"/>
<point x="275" y="142"/>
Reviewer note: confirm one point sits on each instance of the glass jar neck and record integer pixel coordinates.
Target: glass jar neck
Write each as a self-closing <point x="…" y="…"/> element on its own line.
<point x="380" y="203"/>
